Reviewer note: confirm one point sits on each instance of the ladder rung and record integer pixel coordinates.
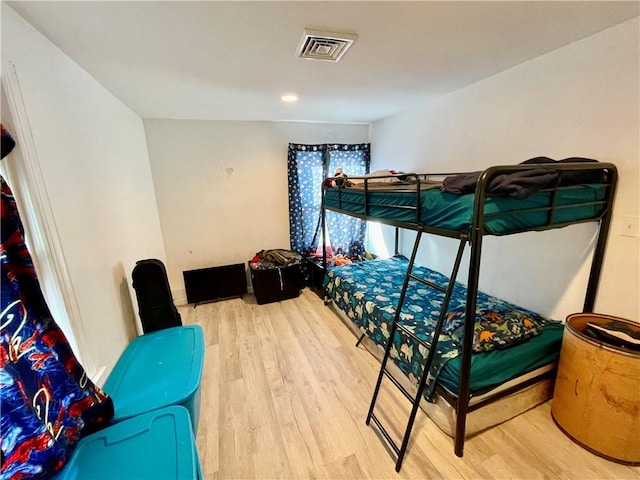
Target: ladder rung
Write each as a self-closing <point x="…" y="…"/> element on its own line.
<point x="385" y="434"/>
<point x="428" y="283"/>
<point x="399" y="386"/>
<point x="409" y="333"/>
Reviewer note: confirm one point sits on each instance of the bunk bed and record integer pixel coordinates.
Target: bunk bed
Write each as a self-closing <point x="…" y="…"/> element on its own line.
<point x="426" y="322"/>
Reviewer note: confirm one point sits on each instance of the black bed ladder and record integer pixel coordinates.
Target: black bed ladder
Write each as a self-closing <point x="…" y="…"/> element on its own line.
<point x="431" y="348"/>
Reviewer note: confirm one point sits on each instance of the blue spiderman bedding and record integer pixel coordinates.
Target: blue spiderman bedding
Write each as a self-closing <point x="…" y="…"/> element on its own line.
<point x="48" y="402"/>
<point x="368" y="293"/>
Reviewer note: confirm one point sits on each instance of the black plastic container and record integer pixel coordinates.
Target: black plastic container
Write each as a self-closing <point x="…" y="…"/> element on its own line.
<point x="276" y="284"/>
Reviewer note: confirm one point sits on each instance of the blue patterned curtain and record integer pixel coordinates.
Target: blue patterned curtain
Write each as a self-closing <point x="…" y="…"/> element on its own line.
<point x="308" y="166"/>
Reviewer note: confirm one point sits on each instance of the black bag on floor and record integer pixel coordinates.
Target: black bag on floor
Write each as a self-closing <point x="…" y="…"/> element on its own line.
<point x="155" y="302"/>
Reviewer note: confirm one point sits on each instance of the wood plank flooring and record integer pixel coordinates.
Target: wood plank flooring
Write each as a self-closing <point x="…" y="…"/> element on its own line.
<point x="285" y="394"/>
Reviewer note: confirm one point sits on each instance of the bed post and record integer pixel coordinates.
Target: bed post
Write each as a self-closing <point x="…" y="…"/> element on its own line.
<point x="397" y="241"/>
<point x="601" y="244"/>
<point x="323" y="221"/>
<point x="462" y="405"/>
<point x="475" y="240"/>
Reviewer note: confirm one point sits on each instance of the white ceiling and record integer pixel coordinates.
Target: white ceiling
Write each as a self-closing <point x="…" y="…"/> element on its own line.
<point x="232" y="60"/>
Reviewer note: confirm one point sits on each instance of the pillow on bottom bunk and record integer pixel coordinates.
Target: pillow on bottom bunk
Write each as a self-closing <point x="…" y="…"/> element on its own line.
<point x="495" y="328"/>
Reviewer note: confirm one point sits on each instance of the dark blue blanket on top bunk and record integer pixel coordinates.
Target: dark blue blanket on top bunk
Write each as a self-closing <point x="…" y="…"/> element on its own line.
<point x="368" y="293"/>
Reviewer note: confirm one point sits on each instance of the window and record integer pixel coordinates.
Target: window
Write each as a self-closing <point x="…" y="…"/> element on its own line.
<point x="308" y="166"/>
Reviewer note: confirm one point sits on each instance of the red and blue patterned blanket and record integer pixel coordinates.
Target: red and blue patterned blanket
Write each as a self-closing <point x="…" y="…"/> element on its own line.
<point x="48" y="402"/>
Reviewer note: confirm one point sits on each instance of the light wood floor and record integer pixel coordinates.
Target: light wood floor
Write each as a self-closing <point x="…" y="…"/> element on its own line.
<point x="285" y="394"/>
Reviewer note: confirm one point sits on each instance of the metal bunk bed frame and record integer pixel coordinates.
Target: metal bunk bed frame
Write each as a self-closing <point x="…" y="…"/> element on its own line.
<point x="474" y="237"/>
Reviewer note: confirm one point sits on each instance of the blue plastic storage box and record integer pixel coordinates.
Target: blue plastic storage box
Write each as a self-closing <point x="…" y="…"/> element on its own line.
<point x="158" y="445"/>
<point x="159" y="369"/>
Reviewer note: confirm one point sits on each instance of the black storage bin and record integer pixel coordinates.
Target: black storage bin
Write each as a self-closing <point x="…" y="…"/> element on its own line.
<point x="315" y="276"/>
<point x="276" y="284"/>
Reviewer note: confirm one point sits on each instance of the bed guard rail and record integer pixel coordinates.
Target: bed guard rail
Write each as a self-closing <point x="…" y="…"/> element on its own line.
<point x="413" y="184"/>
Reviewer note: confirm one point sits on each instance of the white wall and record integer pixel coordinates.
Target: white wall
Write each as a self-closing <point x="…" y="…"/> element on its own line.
<point x="581" y="100"/>
<point x="221" y="187"/>
<point x="94" y="159"/>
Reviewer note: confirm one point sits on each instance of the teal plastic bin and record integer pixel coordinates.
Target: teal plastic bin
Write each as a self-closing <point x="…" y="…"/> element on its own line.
<point x="158" y="445"/>
<point x="156" y="370"/>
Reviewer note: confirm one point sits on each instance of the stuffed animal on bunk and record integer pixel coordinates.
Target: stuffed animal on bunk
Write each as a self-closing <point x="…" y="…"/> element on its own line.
<point x="339" y="180"/>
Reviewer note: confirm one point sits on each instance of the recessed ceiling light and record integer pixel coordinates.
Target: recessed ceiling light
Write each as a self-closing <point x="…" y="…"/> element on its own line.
<point x="289" y="98"/>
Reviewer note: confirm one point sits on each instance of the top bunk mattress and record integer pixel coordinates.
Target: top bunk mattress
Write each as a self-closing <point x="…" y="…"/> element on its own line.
<point x="439" y="209"/>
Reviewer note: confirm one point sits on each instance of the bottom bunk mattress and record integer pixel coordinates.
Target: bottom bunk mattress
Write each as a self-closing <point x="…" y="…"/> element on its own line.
<point x="443" y="413"/>
<point x="509" y="341"/>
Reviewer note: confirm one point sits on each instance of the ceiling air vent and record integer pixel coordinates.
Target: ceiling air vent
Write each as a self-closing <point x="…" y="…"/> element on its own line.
<point x="317" y="45"/>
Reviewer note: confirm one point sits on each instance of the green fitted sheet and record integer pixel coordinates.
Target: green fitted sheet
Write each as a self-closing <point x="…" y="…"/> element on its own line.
<point x="455" y="212"/>
<point x="490" y="369"/>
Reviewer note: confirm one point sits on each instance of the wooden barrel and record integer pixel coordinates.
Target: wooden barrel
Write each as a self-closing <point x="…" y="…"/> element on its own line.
<point x="596" y="401"/>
